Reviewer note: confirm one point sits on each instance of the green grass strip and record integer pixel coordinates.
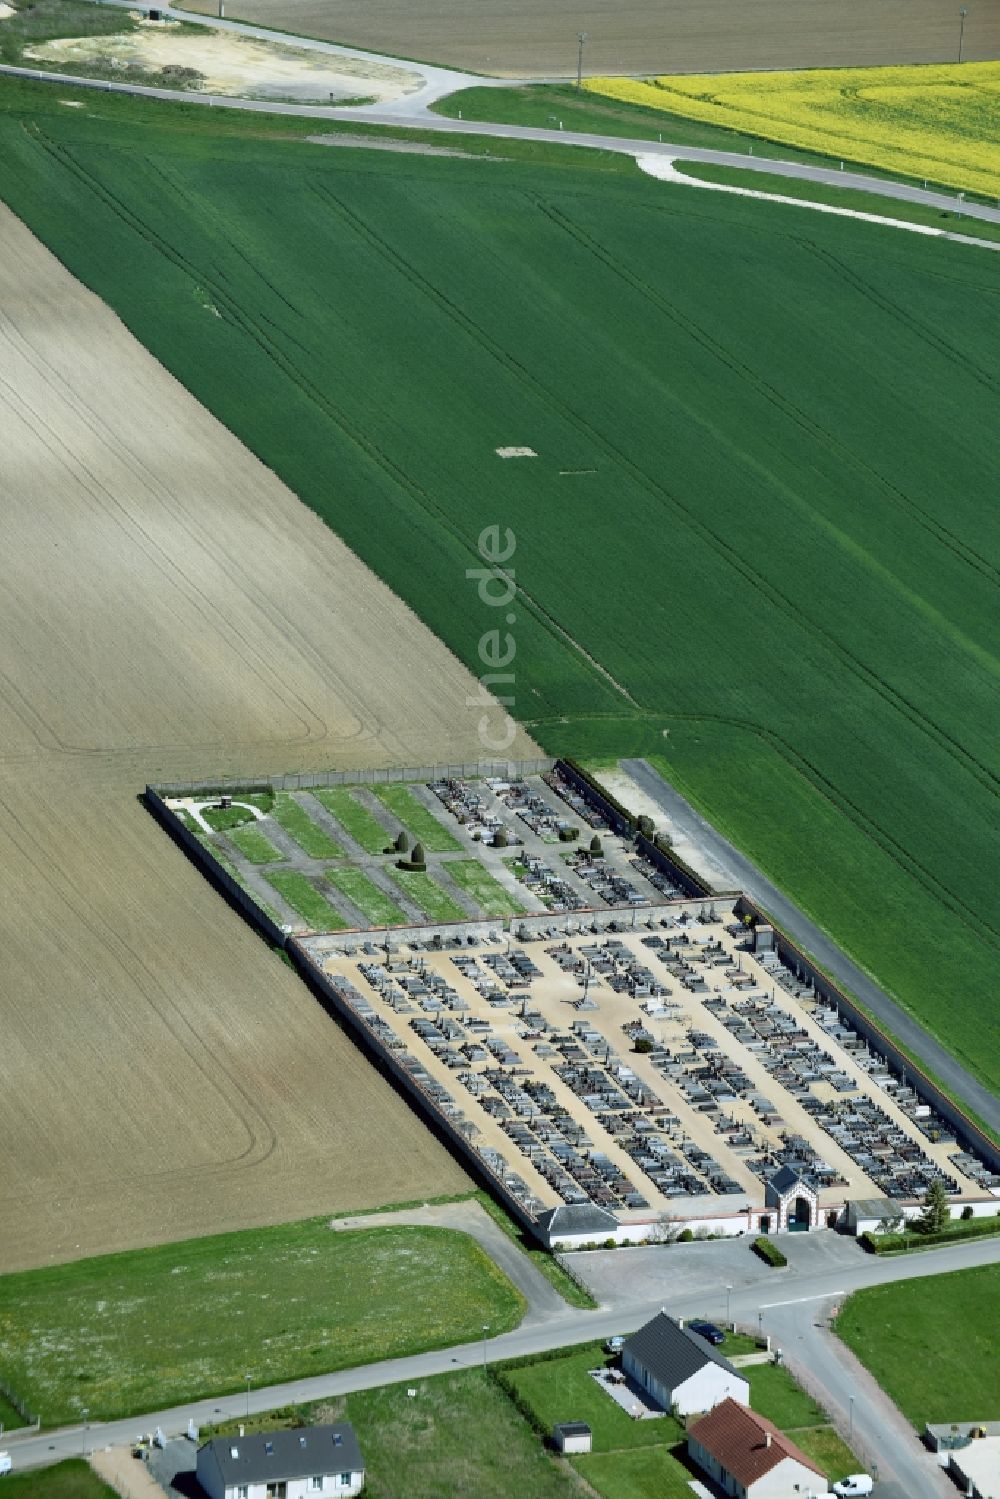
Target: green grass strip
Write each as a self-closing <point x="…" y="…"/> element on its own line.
<point x="72" y="1479"/>
<point x="366" y="895"/>
<point x="429" y="896"/>
<point x="354" y="818"/>
<point x="254" y="845"/>
<point x="311" y="838"/>
<point x="475" y="879"/>
<point x="301" y="894"/>
<point x="421" y="824"/>
<point x="281" y="1303"/>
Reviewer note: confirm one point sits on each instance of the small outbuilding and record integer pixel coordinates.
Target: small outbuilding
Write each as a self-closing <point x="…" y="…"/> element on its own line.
<point x="748" y="1457"/>
<point x="297" y="1464"/>
<point x="572" y="1436"/>
<point x="794" y="1201"/>
<point x="573" y="1224"/>
<point x="678" y="1369"/>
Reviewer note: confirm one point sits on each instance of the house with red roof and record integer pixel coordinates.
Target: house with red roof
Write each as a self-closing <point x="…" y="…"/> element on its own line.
<point x="748" y="1457"/>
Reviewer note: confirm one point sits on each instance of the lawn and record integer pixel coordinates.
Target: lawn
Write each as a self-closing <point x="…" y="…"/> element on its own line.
<point x="301" y="894"/>
<point x="645" y="1473"/>
<point x="475" y="879"/>
<point x="561" y="1389"/>
<point x="36" y="21"/>
<point x="9" y="1417"/>
<point x="311" y="838"/>
<point x="366" y="895"/>
<point x="774" y="1393"/>
<point x="254" y="845"/>
<point x="932" y="1345"/>
<point x="134" y="1332"/>
<point x="421" y="824"/>
<point x="72" y="1479"/>
<point x="931" y="122"/>
<point x="763" y="439"/>
<point x="826" y="1448"/>
<point x="428" y="894"/>
<point x="354" y="818"/>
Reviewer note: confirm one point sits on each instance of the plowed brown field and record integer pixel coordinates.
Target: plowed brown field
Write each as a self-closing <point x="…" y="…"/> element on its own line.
<point x="168" y="608"/>
<point x="537" y="38"/>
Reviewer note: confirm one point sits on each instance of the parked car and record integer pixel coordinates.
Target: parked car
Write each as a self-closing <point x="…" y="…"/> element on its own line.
<point x="5" y="1463"/>
<point x="708" y="1331"/>
<point x="854" y="1483"/>
<point x="614" y="1345"/>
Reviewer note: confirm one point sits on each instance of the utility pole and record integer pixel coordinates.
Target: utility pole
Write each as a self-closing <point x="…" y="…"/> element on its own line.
<point x="961" y="29"/>
<point x="582" y="37"/>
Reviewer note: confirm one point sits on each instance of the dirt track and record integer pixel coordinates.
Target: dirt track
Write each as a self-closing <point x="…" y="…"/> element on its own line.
<point x="537" y="38"/>
<point x="168" y="608"/>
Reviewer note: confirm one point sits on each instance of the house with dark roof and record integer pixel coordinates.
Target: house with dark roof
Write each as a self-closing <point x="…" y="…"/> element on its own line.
<point x="299" y="1464"/>
<point x="678" y="1369"/>
<point x="748" y="1457"/>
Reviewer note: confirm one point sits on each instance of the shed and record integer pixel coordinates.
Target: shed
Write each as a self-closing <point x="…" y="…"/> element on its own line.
<point x="572" y="1436"/>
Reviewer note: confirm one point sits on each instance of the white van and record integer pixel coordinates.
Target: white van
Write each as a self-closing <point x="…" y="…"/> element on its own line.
<point x="5" y="1463"/>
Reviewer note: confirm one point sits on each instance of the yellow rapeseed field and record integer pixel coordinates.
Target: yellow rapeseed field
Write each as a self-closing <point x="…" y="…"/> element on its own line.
<point x="941" y="122"/>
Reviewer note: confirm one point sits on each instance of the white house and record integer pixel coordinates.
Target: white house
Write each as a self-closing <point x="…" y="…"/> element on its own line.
<point x="748" y="1457"/>
<point x="679" y="1369"/>
<point x="299" y="1464"/>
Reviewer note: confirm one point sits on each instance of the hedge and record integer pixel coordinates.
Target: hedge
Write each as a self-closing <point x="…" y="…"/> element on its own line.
<point x="769" y="1253"/>
<point x="973" y="1228"/>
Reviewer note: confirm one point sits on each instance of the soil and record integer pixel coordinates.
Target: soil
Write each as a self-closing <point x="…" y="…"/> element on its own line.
<point x="169" y="609"/>
<point x="538" y="38"/>
<point x="232" y="65"/>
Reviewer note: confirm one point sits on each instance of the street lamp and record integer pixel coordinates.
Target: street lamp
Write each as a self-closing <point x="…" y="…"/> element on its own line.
<point x="83" y="1439"/>
<point x="582" y="37"/>
<point x="248" y="1377"/>
<point x="961" y="29"/>
<point x="486" y="1328"/>
<point x="850" y="1421"/>
<point x="729" y="1292"/>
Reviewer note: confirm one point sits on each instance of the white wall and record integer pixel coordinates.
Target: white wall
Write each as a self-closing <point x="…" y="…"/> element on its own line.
<point x="707" y="1388"/>
<point x="788" y="1480"/>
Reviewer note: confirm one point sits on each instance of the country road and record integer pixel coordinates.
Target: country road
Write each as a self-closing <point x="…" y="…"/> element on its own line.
<point x="633" y="1284"/>
<point x="737" y="872"/>
<point x="413" y="112"/>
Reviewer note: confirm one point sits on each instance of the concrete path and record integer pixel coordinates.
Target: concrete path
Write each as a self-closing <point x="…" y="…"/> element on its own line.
<point x="544" y="1301"/>
<point x="738" y="873"/>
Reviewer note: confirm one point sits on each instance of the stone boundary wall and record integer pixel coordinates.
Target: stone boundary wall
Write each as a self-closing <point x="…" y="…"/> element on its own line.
<point x="368" y="776"/>
<point x="966" y="1129"/>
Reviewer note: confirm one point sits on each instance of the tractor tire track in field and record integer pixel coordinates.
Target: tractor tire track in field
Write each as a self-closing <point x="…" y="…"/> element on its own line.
<point x="652" y="486"/>
<point x="846" y="455"/>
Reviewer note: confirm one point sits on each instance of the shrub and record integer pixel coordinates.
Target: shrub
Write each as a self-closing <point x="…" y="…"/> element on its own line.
<point x="595" y="847"/>
<point x="643" y="1044"/>
<point x="967" y="1212"/>
<point x="768" y="1252"/>
<point x="568" y="835"/>
<point x="417" y="856"/>
<point x="685" y="1236"/>
<point x="402" y="842"/>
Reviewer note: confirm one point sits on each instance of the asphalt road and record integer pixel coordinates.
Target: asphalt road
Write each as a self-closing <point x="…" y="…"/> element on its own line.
<point x="741" y="874"/>
<point x="787" y="1303"/>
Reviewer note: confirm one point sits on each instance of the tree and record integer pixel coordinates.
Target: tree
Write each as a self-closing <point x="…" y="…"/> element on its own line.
<point x="936" y="1213"/>
<point x="646" y="826"/>
<point x="402" y="843"/>
<point x="417" y="856"/>
<point x="595" y="847"/>
<point x="643" y="1044"/>
<point x="499" y="838"/>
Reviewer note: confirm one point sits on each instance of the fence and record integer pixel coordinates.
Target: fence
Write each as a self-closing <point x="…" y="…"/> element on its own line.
<point x="31" y="1423"/>
<point x="366" y="776"/>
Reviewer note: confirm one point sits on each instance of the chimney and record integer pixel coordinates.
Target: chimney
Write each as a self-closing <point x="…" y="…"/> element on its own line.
<point x="767" y="1439"/>
<point x="242" y="1430"/>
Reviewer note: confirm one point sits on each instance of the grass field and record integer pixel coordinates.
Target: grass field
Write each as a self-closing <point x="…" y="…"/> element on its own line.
<point x="552" y="1388"/>
<point x="935" y="1355"/>
<point x="366" y="895"/>
<point x="427" y="893"/>
<point x="277" y="1303"/>
<point x="301" y="894"/>
<point x="73" y="1479"/>
<point x="644" y="1473"/>
<point x="354" y="817"/>
<point x="812" y="524"/>
<point x="421" y="824"/>
<point x="941" y="123"/>
<point x="525" y="39"/>
<point x="9" y="1417"/>
<point x="476" y="880"/>
<point x="254" y="844"/>
<point x="297" y="823"/>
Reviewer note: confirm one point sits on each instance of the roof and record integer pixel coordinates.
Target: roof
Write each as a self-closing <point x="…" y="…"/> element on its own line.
<point x="980" y="1463"/>
<point x="673" y="1353"/>
<point x="787" y="1179"/>
<point x="577" y="1218"/>
<point x="737" y="1438"/>
<point x="874" y="1207"/>
<point x="265" y="1455"/>
<point x="572" y="1428"/>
